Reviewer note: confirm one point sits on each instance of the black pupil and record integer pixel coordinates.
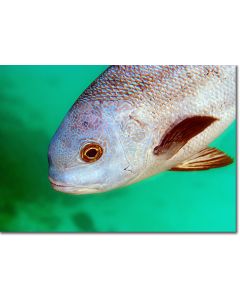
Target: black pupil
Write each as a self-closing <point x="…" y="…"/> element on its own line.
<point x="91" y="153"/>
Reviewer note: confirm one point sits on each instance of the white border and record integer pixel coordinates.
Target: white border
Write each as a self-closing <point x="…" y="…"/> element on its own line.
<point x="155" y="266"/>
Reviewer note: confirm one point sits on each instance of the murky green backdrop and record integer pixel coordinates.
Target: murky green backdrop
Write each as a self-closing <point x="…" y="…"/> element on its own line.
<point x="33" y="101"/>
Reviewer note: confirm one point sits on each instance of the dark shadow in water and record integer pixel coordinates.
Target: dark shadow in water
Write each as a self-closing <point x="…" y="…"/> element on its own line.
<point x="84" y="222"/>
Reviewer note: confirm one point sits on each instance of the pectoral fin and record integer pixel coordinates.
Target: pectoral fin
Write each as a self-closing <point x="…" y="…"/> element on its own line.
<point x="205" y="159"/>
<point x="181" y="133"/>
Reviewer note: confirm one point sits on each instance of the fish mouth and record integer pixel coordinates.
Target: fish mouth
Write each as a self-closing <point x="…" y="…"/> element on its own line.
<point x="70" y="189"/>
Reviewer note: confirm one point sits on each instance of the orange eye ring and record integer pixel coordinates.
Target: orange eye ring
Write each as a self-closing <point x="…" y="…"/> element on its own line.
<point x="91" y="152"/>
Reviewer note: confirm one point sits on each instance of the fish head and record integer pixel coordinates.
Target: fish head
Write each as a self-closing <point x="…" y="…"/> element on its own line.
<point x="96" y="148"/>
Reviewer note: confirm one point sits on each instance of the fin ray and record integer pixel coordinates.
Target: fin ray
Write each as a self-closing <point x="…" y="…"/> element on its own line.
<point x="207" y="158"/>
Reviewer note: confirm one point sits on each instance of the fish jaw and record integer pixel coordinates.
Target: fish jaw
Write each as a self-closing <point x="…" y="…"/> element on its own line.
<point x="74" y="190"/>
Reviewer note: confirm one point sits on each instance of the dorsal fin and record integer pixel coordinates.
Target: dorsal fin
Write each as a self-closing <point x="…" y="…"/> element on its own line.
<point x="207" y="158"/>
<point x="181" y="133"/>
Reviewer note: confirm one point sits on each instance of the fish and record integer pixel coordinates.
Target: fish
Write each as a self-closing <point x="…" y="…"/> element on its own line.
<point x="135" y="121"/>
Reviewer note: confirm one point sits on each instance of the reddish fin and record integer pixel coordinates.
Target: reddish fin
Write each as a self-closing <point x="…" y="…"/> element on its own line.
<point x="181" y="133"/>
<point x="208" y="158"/>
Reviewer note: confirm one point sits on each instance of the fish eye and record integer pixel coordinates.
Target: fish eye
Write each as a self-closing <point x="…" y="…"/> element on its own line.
<point x="91" y="152"/>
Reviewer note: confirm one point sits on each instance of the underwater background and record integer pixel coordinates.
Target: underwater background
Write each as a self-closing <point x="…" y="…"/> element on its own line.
<point x="33" y="102"/>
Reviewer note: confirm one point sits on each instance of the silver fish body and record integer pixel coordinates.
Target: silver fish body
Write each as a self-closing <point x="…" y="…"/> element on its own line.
<point x="127" y="111"/>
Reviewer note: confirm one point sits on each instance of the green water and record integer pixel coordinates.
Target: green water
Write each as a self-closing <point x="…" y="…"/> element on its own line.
<point x="33" y="101"/>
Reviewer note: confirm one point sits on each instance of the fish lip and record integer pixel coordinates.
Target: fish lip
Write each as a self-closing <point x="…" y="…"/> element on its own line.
<point x="57" y="184"/>
<point x="71" y="189"/>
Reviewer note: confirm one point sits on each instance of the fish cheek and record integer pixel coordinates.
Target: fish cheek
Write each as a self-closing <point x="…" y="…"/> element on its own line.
<point x="134" y="128"/>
